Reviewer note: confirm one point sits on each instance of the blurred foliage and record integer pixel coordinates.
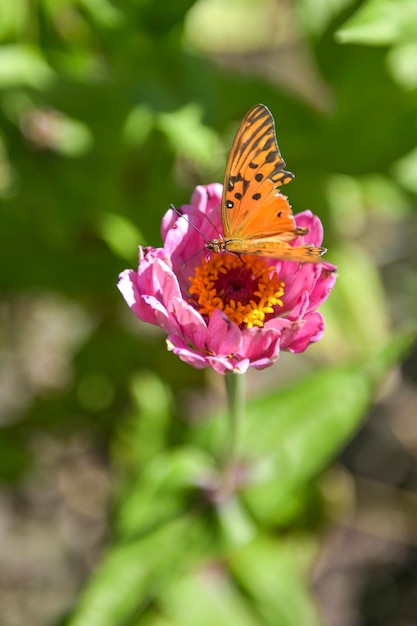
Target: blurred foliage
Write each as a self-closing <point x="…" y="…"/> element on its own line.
<point x="109" y="112"/>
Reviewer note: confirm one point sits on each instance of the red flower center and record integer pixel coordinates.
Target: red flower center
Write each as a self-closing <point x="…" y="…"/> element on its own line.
<point x="244" y="287"/>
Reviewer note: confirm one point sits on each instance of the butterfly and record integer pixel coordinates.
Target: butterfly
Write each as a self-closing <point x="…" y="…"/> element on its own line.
<point x="256" y="217"/>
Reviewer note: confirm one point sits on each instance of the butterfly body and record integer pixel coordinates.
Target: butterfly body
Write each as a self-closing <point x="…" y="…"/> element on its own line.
<point x="256" y="217"/>
<point x="269" y="247"/>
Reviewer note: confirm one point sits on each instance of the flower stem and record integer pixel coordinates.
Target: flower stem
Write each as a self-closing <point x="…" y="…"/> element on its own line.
<point x="230" y="471"/>
<point x="236" y="400"/>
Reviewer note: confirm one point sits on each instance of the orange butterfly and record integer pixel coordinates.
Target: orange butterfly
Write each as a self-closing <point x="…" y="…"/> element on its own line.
<point x="257" y="218"/>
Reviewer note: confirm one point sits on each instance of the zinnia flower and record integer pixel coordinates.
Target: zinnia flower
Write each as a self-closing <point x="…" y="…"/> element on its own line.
<point x="222" y="310"/>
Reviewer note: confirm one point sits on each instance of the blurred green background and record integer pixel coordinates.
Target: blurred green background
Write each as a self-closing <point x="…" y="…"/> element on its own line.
<point x="111" y="110"/>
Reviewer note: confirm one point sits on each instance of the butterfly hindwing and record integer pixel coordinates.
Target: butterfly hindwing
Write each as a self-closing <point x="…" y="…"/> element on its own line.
<point x="251" y="205"/>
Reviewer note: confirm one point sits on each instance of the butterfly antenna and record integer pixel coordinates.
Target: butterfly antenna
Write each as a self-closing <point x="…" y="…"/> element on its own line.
<point x="191" y="257"/>
<point x="212" y="224"/>
<point x="181" y="214"/>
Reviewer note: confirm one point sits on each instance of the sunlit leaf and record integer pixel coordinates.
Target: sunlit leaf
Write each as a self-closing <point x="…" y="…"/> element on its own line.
<point x="104" y="12"/>
<point x="47" y="128"/>
<point x="138" y="125"/>
<point x="161" y="490"/>
<point x="14" y="16"/>
<point x="214" y="25"/>
<point x="381" y="22"/>
<point x="208" y="596"/>
<point x="272" y="573"/>
<point x="316" y="15"/>
<point x="294" y="434"/>
<point x="121" y="235"/>
<point x="402" y="64"/>
<point x="405" y="171"/>
<point x="187" y="134"/>
<point x="359" y="297"/>
<point x="23" y="64"/>
<point x="144" y="432"/>
<point x="131" y="574"/>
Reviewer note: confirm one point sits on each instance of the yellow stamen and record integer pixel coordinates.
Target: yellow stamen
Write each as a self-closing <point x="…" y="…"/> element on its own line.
<point x="245" y="288"/>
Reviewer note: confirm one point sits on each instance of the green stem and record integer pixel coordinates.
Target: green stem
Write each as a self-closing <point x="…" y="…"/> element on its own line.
<point x="236" y="400"/>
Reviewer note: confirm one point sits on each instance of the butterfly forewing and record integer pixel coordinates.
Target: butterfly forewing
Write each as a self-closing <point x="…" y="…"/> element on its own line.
<point x="255" y="167"/>
<point x="256" y="217"/>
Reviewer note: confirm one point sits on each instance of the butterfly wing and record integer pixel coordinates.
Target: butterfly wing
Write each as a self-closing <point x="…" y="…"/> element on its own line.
<point x="252" y="208"/>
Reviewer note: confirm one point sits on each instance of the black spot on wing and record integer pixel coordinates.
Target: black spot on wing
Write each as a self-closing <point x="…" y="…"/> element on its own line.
<point x="271" y="156"/>
<point x="245" y="183"/>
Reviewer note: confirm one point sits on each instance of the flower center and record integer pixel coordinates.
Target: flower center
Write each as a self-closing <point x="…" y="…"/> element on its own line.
<point x="245" y="288"/>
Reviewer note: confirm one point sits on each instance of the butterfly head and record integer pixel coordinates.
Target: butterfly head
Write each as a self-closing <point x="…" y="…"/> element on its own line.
<point x="216" y="245"/>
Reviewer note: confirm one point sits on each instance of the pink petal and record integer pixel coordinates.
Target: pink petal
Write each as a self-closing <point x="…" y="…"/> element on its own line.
<point x="261" y="344"/>
<point x="168" y="221"/>
<point x="306" y="219"/>
<point x="205" y="198"/>
<point x="224" y="337"/>
<point x="176" y="235"/>
<point x="298" y="279"/>
<point x="224" y="365"/>
<point x="146" y="270"/>
<point x="165" y="284"/>
<point x="323" y="286"/>
<point x="190" y="322"/>
<point x="128" y="287"/>
<point x="285" y="330"/>
<point x="162" y="318"/>
<point x="178" y="346"/>
<point x="311" y="331"/>
<point x="300" y="308"/>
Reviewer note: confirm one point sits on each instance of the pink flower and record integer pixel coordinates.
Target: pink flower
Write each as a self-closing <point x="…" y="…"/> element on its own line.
<point x="221" y="310"/>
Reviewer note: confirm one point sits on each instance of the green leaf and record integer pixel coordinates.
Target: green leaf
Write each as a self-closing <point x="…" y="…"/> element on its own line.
<point x="292" y="435"/>
<point x="138" y="125"/>
<point x="14" y="17"/>
<point x="162" y="490"/>
<point x="120" y="234"/>
<point x="24" y="65"/>
<point x="104" y="13"/>
<point x="72" y="137"/>
<point x="402" y="63"/>
<point x="189" y="135"/>
<point x="131" y="574"/>
<point x="273" y="575"/>
<point x="316" y="15"/>
<point x="358" y="297"/>
<point x="217" y="27"/>
<point x="381" y="22"/>
<point x="405" y="171"/>
<point x="206" y="597"/>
